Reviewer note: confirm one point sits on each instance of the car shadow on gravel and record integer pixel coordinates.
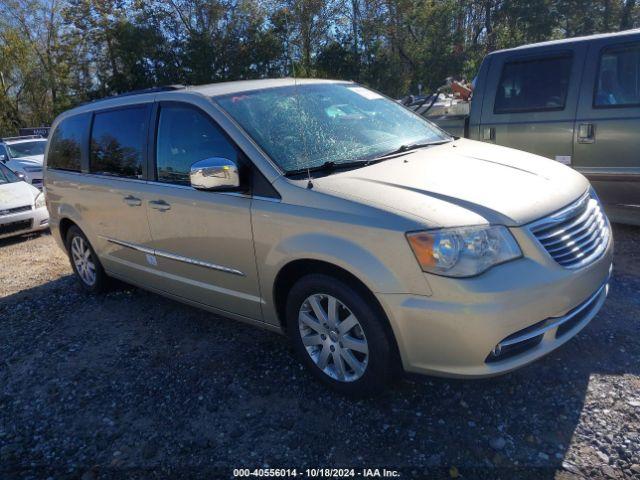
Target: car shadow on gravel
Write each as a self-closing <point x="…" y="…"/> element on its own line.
<point x="8" y="241"/>
<point x="129" y="382"/>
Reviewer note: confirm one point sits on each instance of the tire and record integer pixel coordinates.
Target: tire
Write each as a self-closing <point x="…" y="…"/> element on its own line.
<point x="329" y="353"/>
<point x="88" y="270"/>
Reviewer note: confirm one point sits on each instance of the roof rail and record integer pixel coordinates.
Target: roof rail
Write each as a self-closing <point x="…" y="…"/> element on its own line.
<point x="164" y="88"/>
<point x="23" y="137"/>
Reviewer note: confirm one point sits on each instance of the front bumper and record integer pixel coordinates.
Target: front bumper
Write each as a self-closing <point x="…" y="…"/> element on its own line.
<point x="501" y="320"/>
<point x="24" y="222"/>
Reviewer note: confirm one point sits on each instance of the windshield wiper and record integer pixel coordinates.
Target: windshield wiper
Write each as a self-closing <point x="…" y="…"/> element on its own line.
<point x="332" y="166"/>
<point x="411" y="146"/>
<point x="329" y="167"/>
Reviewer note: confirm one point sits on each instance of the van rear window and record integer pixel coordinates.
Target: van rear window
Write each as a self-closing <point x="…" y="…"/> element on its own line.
<point x="533" y="85"/>
<point x="65" y="149"/>
<point x="118" y="140"/>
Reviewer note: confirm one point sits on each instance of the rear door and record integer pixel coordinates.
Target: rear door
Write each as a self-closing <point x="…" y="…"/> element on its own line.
<point x="531" y="99"/>
<point x="113" y="193"/>
<point x="607" y="124"/>
<point x="203" y="239"/>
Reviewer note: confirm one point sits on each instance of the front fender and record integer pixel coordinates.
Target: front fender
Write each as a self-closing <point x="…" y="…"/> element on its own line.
<point x="340" y="252"/>
<point x="376" y="275"/>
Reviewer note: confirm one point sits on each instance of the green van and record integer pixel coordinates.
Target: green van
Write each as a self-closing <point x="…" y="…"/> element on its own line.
<point x="576" y="101"/>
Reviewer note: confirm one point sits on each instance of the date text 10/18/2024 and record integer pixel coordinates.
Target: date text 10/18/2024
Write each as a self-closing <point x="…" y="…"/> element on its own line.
<point x="317" y="472"/>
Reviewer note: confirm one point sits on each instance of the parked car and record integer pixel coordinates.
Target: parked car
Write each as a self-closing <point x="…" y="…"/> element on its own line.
<point x="328" y="212"/>
<point x="22" y="206"/>
<point x="24" y="155"/>
<point x="576" y="101"/>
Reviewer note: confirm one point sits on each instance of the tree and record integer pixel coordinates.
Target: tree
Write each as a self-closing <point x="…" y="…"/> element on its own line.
<point x="55" y="54"/>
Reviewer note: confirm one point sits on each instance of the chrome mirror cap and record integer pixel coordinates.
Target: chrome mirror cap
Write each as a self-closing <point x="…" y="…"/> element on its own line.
<point x="215" y="173"/>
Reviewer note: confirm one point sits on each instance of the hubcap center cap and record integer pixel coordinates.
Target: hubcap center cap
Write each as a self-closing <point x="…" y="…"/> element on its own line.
<point x="333" y="335"/>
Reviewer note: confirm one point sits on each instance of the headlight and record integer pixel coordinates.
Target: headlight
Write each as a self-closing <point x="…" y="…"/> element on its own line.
<point x="40" y="201"/>
<point x="464" y="251"/>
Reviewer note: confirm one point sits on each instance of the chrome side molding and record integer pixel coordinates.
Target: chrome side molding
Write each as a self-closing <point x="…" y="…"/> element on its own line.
<point x="200" y="263"/>
<point x="132" y="246"/>
<point x="173" y="256"/>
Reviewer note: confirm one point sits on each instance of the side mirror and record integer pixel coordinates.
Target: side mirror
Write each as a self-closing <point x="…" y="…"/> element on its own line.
<point x="215" y="173"/>
<point x="3" y="158"/>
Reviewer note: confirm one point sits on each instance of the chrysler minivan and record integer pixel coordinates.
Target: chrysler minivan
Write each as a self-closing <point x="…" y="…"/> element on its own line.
<point x="330" y="213"/>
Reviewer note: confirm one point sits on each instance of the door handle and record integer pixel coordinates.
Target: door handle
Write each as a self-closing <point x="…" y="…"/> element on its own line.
<point x="132" y="201"/>
<point x="160" y="205"/>
<point x="586" y="133"/>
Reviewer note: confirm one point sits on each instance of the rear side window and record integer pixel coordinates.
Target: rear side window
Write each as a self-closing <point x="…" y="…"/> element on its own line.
<point x="186" y="136"/>
<point x="118" y="141"/>
<point x="618" y="83"/>
<point x="533" y="85"/>
<point x="65" y="148"/>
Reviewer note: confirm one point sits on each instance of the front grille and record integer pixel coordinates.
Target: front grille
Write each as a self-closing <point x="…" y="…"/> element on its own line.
<point x="15" y="226"/>
<point x="11" y="211"/>
<point x="570" y="324"/>
<point x="575" y="236"/>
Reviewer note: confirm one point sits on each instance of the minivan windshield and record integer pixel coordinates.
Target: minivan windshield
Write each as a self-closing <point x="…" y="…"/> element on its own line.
<point x="311" y="125"/>
<point x="27" y="149"/>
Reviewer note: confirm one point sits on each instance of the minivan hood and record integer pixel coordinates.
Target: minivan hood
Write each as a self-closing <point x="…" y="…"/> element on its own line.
<point x="464" y="182"/>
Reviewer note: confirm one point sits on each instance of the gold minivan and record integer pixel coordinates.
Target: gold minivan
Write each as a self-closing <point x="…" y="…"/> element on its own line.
<point x="326" y="211"/>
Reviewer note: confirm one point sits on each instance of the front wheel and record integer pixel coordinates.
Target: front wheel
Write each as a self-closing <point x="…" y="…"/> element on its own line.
<point x="339" y="334"/>
<point x="84" y="262"/>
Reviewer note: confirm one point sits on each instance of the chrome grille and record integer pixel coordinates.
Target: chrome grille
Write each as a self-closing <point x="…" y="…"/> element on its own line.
<point x="576" y="235"/>
<point x="11" y="211"/>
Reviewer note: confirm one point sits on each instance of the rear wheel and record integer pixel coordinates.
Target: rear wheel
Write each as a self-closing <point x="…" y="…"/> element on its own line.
<point x="84" y="262"/>
<point x="340" y="335"/>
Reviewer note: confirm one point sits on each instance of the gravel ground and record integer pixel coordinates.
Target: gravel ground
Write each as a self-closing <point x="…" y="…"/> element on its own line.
<point x="131" y="384"/>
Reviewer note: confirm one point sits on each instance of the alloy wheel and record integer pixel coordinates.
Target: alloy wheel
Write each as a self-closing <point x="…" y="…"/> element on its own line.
<point x="81" y="255"/>
<point x="333" y="337"/>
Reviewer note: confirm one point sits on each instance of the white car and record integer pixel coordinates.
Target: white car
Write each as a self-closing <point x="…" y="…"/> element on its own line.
<point x="22" y="206"/>
<point x="24" y="155"/>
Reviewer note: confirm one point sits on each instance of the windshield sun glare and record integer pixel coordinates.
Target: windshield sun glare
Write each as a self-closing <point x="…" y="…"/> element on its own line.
<point x="309" y="125"/>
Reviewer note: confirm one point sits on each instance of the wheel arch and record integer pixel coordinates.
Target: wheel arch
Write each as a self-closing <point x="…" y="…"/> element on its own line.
<point x="64" y="225"/>
<point x="62" y="217"/>
<point x="293" y="271"/>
